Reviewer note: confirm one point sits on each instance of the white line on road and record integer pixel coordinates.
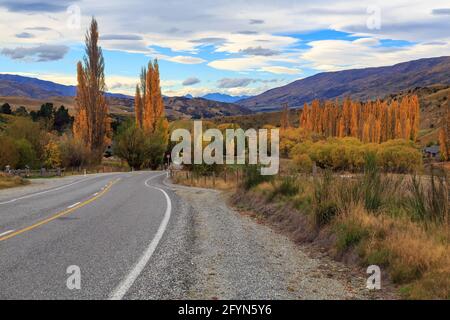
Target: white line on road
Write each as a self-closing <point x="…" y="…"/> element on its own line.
<point x="5" y="233"/>
<point x="126" y="284"/>
<point x="47" y="191"/>
<point x="73" y="205"/>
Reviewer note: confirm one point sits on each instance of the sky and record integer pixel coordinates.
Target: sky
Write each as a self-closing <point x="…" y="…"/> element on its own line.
<point x="233" y="47"/>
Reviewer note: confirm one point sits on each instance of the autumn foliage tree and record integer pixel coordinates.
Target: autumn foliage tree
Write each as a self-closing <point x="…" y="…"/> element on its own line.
<point x="444" y="134"/>
<point x="370" y="122"/>
<point x="144" y="144"/>
<point x="92" y="123"/>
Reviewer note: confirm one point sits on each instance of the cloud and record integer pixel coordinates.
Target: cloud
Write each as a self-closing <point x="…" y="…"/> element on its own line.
<point x="281" y="70"/>
<point x="25" y="35"/>
<point x="247" y="32"/>
<point x="233" y="82"/>
<point x="35" y="6"/>
<point x="125" y="37"/>
<point x="186" y="60"/>
<point x="333" y="55"/>
<point x="209" y="41"/>
<point x="41" y="53"/>
<point x="256" y="21"/>
<point x="190" y="81"/>
<point x="442" y="11"/>
<point x="39" y="29"/>
<point x="229" y="83"/>
<point x="259" y="51"/>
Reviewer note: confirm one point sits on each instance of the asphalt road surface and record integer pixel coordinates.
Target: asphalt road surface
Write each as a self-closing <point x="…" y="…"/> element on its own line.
<point x="102" y="228"/>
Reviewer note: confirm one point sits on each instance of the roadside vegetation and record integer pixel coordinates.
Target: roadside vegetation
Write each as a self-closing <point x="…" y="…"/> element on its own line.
<point x="7" y="181"/>
<point x="367" y="202"/>
<point x="90" y="140"/>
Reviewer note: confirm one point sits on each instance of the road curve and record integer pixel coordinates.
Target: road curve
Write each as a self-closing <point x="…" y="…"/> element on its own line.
<point x="108" y="226"/>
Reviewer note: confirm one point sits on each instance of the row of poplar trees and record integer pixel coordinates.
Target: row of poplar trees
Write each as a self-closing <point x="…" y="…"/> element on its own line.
<point x="373" y="121"/>
<point x="92" y="124"/>
<point x="148" y="102"/>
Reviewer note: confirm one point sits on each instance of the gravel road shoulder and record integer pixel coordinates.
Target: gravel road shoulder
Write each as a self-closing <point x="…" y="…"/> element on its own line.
<point x="237" y="258"/>
<point x="213" y="252"/>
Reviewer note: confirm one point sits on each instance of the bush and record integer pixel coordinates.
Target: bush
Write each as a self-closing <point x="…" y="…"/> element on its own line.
<point x="9" y="155"/>
<point x="349" y="234"/>
<point x="429" y="201"/>
<point x="324" y="206"/>
<point x="73" y="152"/>
<point x="27" y="155"/>
<point x="253" y="177"/>
<point x="350" y="154"/>
<point x="132" y="145"/>
<point x="288" y="187"/>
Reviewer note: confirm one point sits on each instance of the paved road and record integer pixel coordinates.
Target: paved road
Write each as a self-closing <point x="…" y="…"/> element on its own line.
<point x="107" y="225"/>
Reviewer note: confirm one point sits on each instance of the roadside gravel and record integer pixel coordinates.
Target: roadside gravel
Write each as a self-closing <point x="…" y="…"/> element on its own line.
<point x="237" y="258"/>
<point x="213" y="252"/>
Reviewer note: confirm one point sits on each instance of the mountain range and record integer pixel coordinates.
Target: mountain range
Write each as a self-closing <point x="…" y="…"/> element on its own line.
<point x="31" y="92"/>
<point x="360" y="84"/>
<point x="27" y="87"/>
<point x="221" y="97"/>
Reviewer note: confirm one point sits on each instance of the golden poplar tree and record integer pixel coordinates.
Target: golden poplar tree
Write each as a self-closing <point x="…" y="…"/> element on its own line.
<point x="138" y="107"/>
<point x="284" y="121"/>
<point x="91" y="106"/>
<point x="444" y="134"/>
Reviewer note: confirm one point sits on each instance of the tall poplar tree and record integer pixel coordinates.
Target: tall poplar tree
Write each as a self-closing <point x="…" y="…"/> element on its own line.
<point x="91" y="107"/>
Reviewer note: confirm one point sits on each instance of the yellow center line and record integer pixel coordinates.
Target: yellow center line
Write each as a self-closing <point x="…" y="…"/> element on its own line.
<point x="60" y="214"/>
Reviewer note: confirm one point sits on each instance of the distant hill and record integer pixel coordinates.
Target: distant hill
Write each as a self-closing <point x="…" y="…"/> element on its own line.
<point x="360" y="84"/>
<point x="33" y="88"/>
<point x="31" y="93"/>
<point x="224" y="97"/>
<point x="197" y="108"/>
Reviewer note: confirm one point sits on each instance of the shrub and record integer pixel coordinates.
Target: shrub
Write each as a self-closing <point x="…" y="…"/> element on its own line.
<point x="9" y="155"/>
<point x="324" y="206"/>
<point x="253" y="177"/>
<point x="288" y="187"/>
<point x="429" y="201"/>
<point x="349" y="234"/>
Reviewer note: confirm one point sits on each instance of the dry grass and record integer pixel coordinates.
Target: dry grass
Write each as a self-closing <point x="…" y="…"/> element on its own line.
<point x="11" y="181"/>
<point x="367" y="217"/>
<point x="415" y="256"/>
<point x="209" y="182"/>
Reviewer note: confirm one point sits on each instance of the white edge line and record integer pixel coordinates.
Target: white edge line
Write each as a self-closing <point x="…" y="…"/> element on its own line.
<point x="73" y="205"/>
<point x="50" y="190"/>
<point x="120" y="291"/>
<point x="5" y="233"/>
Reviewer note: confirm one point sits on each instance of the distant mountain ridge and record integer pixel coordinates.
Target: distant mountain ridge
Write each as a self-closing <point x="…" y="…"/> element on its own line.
<point x="31" y="92"/>
<point x="224" y="97"/>
<point x="361" y="84"/>
<point x="27" y="87"/>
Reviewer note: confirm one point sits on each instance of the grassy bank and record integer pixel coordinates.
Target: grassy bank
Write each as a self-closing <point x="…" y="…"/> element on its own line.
<point x="398" y="222"/>
<point x="11" y="181"/>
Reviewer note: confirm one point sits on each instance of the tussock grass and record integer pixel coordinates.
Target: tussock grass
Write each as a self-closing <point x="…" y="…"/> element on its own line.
<point x="398" y="222"/>
<point x="11" y="181"/>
